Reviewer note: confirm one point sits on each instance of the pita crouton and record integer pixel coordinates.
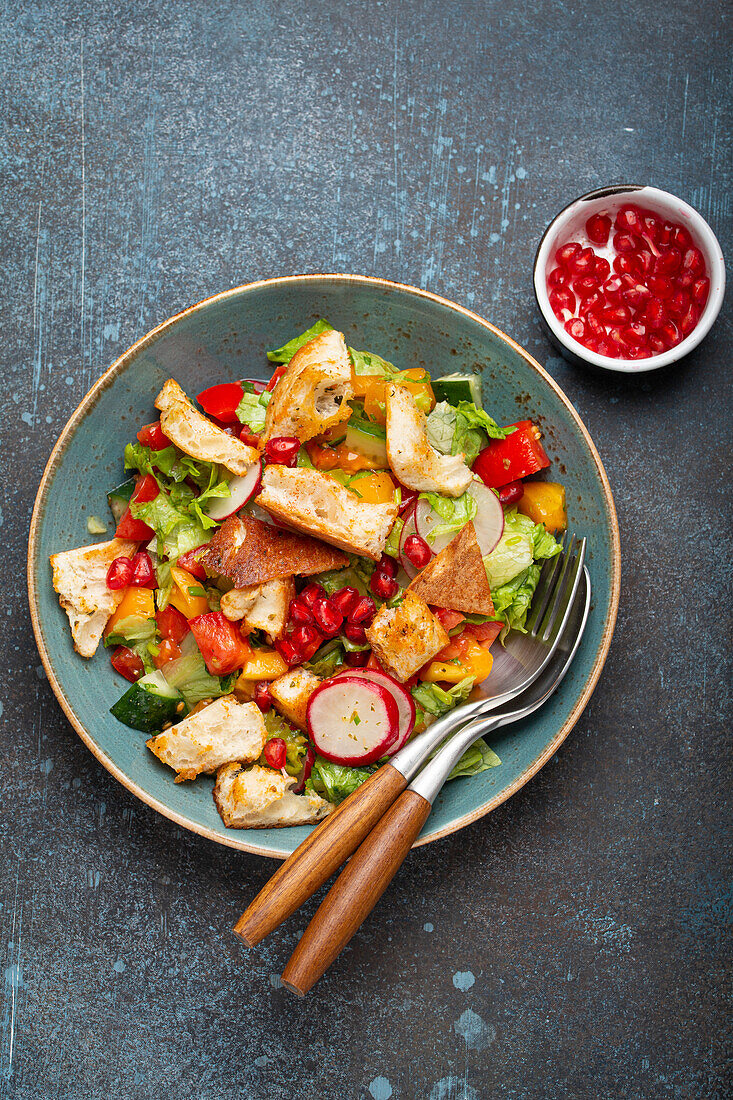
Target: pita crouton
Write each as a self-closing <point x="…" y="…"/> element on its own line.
<point x="415" y="463"/>
<point x="248" y="551"/>
<point x="313" y="393"/>
<point x="80" y="578"/>
<point x="456" y="577"/>
<point x="260" y="798"/>
<point x="406" y="637"/>
<point x="199" y="437"/>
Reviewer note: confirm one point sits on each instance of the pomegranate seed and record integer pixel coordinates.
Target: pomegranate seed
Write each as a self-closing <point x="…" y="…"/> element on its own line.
<point x="363" y="612"/>
<point x="311" y="593"/>
<point x="666" y="236"/>
<point x="668" y="262"/>
<point x="383" y="586"/>
<point x="694" y="261"/>
<point x="584" y="262"/>
<point x="617" y="339"/>
<point x="416" y="549"/>
<point x="638" y="353"/>
<point x="358" y="658"/>
<point x="598" y="228"/>
<point x="595" y="303"/>
<point x="586" y="285"/>
<point x="287" y="651"/>
<point x="678" y="304"/>
<point x="328" y="617"/>
<point x="591" y="342"/>
<point x="681" y="238"/>
<point x="143" y="572"/>
<point x="661" y="286"/>
<point x="607" y="348"/>
<point x="564" y="255"/>
<point x="636" y="297"/>
<point x="684" y="280"/>
<point x="645" y="263"/>
<point x="513" y="492"/>
<point x="612" y="289"/>
<point x="655" y="345"/>
<point x="560" y="300"/>
<point x="617" y="315"/>
<point x="634" y="334"/>
<point x="345" y="600"/>
<point x="595" y="324"/>
<point x="576" y="328"/>
<point x="690" y="319"/>
<point x="655" y="314"/>
<point x="629" y="220"/>
<point x="700" y="291"/>
<point x="282" y="451"/>
<point x="624" y="242"/>
<point x="602" y="267"/>
<point x="300" y="612"/>
<point x="119" y="574"/>
<point x="355" y="633"/>
<point x="263" y="696"/>
<point x="626" y="265"/>
<point x="559" y="276"/>
<point x="275" y="752"/>
<point x="669" y="333"/>
<point x="388" y="565"/>
<point x="306" y="640"/>
<point x="651" y="228"/>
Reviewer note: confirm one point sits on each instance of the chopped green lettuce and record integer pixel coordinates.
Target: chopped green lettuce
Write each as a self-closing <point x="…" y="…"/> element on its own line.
<point x="366" y="362"/>
<point x="455" y="512"/>
<point x="392" y="545"/>
<point x="190" y="675"/>
<point x="512" y="601"/>
<point x="462" y="429"/>
<point x="335" y="782"/>
<point x="478" y="758"/>
<point x="252" y="410"/>
<point x="437" y="701"/>
<point x="521" y="543"/>
<point x="326" y="659"/>
<point x="296" y="743"/>
<point x="287" y="351"/>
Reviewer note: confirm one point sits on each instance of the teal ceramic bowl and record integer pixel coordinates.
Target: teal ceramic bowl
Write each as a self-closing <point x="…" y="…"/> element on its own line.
<point x="226" y="337"/>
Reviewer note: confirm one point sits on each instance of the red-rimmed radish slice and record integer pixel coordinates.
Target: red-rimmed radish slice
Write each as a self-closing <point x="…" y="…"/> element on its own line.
<point x="241" y="490"/>
<point x="403" y="699"/>
<point x="256" y="383"/>
<point x="409" y="528"/>
<point x="352" y="721"/>
<point x="489" y="519"/>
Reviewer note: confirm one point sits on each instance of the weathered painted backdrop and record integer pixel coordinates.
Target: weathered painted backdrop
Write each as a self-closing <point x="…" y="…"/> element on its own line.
<point x="572" y="944"/>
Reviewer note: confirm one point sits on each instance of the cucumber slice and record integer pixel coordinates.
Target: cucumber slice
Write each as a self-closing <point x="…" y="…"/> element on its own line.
<point x="149" y="704"/>
<point x="368" y="439"/>
<point x="119" y="498"/>
<point x="458" y="387"/>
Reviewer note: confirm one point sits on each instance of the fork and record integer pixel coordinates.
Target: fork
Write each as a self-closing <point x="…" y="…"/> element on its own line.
<point x="516" y="667"/>
<point x="375" y="863"/>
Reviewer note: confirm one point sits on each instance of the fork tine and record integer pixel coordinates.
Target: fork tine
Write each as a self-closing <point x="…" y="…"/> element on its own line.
<point x="545" y="587"/>
<point x="564" y="591"/>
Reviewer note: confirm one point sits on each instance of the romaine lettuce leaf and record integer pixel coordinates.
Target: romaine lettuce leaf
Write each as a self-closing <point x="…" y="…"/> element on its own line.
<point x="392" y="545"/>
<point x="478" y="758"/>
<point x="521" y="543"/>
<point x="335" y="782"/>
<point x="326" y="659"/>
<point x="455" y="512"/>
<point x="512" y="600"/>
<point x="287" y="351"/>
<point x="462" y="429"/>
<point x="437" y="701"/>
<point x="252" y="410"/>
<point x="190" y="675"/>
<point x="366" y="362"/>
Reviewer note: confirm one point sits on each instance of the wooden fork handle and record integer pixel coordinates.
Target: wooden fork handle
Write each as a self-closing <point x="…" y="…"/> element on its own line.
<point x="321" y="853"/>
<point x="356" y="891"/>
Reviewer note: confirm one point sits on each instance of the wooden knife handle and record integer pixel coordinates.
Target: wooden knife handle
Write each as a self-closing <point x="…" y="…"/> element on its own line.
<point x="356" y="891"/>
<point x="321" y="853"/>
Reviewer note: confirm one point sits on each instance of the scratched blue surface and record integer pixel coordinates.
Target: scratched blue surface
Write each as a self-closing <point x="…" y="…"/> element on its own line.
<point x="574" y="944"/>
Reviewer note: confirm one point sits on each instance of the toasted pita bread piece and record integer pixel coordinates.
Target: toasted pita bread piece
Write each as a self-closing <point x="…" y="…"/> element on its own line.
<point x="260" y="798"/>
<point x="456" y="577"/>
<point x="406" y="637"/>
<point x="248" y="551"/>
<point x="80" y="578"/>
<point x="291" y="693"/>
<point x="417" y="464"/>
<point x="261" y="606"/>
<point x="314" y="502"/>
<point x="197" y="436"/>
<point x="313" y="393"/>
<point x="223" y="731"/>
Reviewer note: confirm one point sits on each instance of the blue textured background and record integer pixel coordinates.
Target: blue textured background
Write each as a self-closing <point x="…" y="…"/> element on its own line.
<point x="575" y="943"/>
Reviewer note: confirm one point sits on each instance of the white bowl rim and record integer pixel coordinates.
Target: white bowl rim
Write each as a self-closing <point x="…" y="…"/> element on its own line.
<point x="706" y="240"/>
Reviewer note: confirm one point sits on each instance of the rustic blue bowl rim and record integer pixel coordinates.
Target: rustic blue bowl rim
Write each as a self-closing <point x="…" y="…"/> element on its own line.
<point x="237" y="839"/>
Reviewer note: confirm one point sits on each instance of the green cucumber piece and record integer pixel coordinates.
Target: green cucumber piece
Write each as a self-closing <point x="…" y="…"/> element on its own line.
<point x="148" y="704"/>
<point x="368" y="439"/>
<point x="458" y="387"/>
<point x="119" y="498"/>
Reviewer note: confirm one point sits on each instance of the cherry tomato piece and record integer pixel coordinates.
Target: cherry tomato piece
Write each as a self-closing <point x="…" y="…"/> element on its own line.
<point x="510" y="459"/>
<point x="222" y="646"/>
<point x="153" y="436"/>
<point x="172" y="623"/>
<point x="189" y="561"/>
<point x="127" y="663"/>
<point x="167" y="651"/>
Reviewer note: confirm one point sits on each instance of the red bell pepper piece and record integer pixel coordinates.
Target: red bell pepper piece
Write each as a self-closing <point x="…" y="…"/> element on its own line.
<point x="276" y="377"/>
<point x="189" y="561"/>
<point x="484" y="633"/>
<point x="222" y="646"/>
<point x="152" y="435"/>
<point x="129" y="527"/>
<point x="510" y="459"/>
<point x="221" y="401"/>
<point x="127" y="663"/>
<point x="172" y="624"/>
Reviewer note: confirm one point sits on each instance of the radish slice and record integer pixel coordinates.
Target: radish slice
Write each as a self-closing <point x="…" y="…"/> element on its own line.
<point x="489" y="518"/>
<point x="488" y="521"/>
<point x="241" y="490"/>
<point x="410" y="528"/>
<point x="403" y="699"/>
<point x="352" y="721"/>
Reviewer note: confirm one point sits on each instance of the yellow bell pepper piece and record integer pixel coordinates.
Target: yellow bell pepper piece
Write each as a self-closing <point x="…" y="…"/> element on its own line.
<point x="375" y="488"/>
<point x="544" y="502"/>
<point x="136" y="601"/>
<point x="371" y="388"/>
<point x="476" y="663"/>
<point x="183" y="600"/>
<point x="264" y="664"/>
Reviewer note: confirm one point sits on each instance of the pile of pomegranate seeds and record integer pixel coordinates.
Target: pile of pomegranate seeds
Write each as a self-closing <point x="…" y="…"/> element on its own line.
<point x="644" y="300"/>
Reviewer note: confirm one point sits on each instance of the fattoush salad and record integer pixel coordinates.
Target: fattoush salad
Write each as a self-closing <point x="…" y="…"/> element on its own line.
<point x="306" y="571"/>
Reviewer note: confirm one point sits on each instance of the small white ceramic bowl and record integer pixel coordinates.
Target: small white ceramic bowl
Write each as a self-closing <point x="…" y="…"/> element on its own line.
<point x="570" y="222"/>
